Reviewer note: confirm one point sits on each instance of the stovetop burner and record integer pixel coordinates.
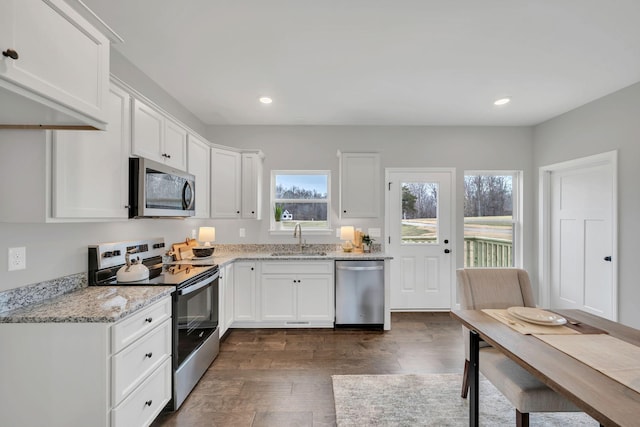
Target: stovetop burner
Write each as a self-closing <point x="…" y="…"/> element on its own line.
<point x="107" y="258"/>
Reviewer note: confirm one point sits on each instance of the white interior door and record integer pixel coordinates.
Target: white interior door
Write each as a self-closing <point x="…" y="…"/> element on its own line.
<point x="582" y="237"/>
<point x="420" y="239"/>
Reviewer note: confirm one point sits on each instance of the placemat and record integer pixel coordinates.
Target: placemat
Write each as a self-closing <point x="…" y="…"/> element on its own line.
<point x="613" y="357"/>
<point x="527" y="328"/>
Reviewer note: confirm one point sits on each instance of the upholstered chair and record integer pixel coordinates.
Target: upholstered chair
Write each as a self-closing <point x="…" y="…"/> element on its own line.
<point x="480" y="288"/>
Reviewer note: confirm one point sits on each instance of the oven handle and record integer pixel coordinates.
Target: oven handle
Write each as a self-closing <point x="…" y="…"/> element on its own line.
<point x="199" y="285"/>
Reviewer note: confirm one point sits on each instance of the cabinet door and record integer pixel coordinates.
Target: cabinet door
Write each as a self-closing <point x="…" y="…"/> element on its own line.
<point x="244" y="294"/>
<point x="360" y="185"/>
<point x="174" y="149"/>
<point x="61" y="57"/>
<point x="225" y="183"/>
<point x="251" y="185"/>
<point x="315" y="299"/>
<point x="84" y="161"/>
<point x="278" y="297"/>
<point x="229" y="296"/>
<point x="148" y="129"/>
<point x="198" y="165"/>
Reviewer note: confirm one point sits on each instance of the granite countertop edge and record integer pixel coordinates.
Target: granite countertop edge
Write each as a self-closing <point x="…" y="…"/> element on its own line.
<point x="109" y="304"/>
<point x="94" y="304"/>
<point x="224" y="259"/>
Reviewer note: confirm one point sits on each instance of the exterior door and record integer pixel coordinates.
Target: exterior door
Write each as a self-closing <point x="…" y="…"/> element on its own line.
<point x="420" y="239"/>
<point x="582" y="263"/>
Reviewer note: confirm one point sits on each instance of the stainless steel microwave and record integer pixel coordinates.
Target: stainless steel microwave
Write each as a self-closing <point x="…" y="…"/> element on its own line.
<point x="158" y="190"/>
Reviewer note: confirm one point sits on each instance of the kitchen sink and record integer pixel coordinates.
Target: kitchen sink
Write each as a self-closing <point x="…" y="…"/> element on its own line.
<point x="299" y="254"/>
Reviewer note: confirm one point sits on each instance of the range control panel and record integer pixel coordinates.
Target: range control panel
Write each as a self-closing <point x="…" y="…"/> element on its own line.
<point x="113" y="254"/>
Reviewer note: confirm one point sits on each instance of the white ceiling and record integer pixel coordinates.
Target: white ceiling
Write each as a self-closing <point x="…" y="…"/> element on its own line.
<point x="380" y="62"/>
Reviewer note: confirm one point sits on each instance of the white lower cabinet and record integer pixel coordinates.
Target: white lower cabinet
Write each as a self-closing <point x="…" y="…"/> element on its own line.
<point x="297" y="293"/>
<point x="226" y="311"/>
<point x="87" y="374"/>
<point x="244" y="292"/>
<point x="145" y="403"/>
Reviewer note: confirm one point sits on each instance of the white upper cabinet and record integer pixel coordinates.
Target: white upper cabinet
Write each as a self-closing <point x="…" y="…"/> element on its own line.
<point x="251" y="185"/>
<point x="175" y="145"/>
<point x="148" y="127"/>
<point x="157" y="137"/>
<point x="54" y="67"/>
<point x="236" y="183"/>
<point x="85" y="161"/>
<point x="225" y="183"/>
<point x="359" y="185"/>
<point x="198" y="164"/>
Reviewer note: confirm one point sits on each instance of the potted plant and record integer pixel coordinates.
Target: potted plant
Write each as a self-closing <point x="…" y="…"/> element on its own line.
<point x="367" y="241"/>
<point x="277" y="214"/>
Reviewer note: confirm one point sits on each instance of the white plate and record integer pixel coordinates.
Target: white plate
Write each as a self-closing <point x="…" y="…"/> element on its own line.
<point x="537" y="316"/>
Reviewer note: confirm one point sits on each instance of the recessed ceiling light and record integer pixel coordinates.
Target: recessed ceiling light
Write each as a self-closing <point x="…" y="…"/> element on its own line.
<point x="265" y="100"/>
<point x="502" y="101"/>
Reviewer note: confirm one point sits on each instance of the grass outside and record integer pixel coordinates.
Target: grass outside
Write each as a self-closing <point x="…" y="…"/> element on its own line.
<point x="498" y="227"/>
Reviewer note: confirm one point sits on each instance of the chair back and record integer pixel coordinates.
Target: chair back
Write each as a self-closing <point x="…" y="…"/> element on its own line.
<point x="480" y="288"/>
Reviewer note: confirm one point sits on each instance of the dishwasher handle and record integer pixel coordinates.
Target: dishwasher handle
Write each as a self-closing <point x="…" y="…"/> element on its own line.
<point x="377" y="267"/>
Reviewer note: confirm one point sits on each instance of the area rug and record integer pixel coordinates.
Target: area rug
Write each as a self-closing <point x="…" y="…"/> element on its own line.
<point x="428" y="400"/>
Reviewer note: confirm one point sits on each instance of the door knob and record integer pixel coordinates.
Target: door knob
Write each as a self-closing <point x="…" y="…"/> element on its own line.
<point x="607" y="258"/>
<point x="10" y="53"/>
<point x="446" y="251"/>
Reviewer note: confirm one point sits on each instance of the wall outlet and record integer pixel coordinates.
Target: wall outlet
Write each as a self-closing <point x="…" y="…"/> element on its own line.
<point x="17" y="259"/>
<point x="243" y="232"/>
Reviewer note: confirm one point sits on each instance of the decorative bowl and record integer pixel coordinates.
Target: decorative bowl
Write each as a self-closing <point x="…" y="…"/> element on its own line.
<point x="202" y="251"/>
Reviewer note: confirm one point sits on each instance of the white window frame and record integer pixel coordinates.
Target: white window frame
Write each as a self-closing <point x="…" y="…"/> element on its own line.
<point x="516" y="198"/>
<point x="272" y="201"/>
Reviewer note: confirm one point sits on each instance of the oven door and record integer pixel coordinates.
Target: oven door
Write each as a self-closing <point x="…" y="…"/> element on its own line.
<point x="196" y="317"/>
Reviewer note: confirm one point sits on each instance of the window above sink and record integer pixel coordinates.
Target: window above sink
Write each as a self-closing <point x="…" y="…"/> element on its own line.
<point x="302" y="197"/>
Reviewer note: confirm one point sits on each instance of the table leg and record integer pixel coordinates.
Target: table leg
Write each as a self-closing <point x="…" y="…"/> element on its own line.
<point x="474" y="374"/>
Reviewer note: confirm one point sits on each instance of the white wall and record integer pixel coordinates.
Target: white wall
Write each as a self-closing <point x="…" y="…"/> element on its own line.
<point x="315" y="147"/>
<point x="55" y="250"/>
<point x="610" y="123"/>
<point x="123" y="69"/>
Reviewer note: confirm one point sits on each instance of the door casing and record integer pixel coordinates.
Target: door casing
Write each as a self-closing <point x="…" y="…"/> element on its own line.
<point x="544" y="225"/>
<point x="454" y="225"/>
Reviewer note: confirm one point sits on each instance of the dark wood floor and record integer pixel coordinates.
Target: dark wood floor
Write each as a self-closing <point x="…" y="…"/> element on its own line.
<point x="282" y="377"/>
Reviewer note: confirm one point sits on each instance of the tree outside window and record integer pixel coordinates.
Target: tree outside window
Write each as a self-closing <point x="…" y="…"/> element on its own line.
<point x="491" y="222"/>
<point x="301" y="197"/>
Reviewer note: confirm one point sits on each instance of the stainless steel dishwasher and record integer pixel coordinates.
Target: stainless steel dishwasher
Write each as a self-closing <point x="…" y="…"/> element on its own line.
<point x="360" y="293"/>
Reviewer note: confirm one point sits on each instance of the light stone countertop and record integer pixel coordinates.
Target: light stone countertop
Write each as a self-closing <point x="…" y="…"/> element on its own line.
<point x="225" y="258"/>
<point x="108" y="304"/>
<point x="93" y="304"/>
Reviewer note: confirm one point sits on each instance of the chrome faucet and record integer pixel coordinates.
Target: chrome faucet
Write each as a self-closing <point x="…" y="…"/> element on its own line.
<point x="297" y="232"/>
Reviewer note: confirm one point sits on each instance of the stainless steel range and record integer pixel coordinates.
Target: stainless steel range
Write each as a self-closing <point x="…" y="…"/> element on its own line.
<point x="195" y="301"/>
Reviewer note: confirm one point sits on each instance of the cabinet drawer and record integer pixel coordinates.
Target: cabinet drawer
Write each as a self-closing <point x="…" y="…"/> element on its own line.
<point x="146" y="402"/>
<point x="134" y="363"/>
<point x="131" y="328"/>
<point x="289" y="267"/>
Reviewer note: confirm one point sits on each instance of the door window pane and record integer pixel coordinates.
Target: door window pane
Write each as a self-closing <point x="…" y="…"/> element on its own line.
<point x="419" y="213"/>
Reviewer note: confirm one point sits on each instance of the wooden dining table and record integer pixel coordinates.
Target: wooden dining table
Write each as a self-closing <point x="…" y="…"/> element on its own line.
<point x="608" y="401"/>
